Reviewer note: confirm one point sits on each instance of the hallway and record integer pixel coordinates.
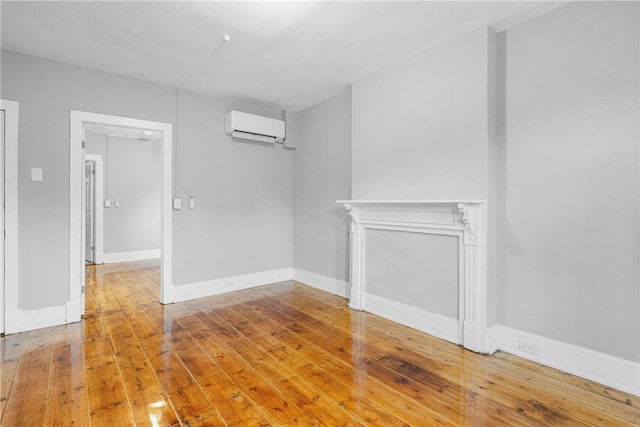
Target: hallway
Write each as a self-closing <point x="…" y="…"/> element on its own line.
<point x="117" y="286"/>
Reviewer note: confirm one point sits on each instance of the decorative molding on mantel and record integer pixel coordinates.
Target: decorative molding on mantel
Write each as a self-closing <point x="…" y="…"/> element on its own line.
<point x="463" y="218"/>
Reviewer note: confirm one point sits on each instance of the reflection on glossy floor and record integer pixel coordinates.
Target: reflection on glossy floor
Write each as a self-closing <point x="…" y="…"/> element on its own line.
<point x="283" y="354"/>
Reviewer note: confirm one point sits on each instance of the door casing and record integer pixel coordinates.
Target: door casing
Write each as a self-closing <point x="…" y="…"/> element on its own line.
<point x="89" y="212"/>
<point x="98" y="206"/>
<point x="10" y="311"/>
<point x="78" y="119"/>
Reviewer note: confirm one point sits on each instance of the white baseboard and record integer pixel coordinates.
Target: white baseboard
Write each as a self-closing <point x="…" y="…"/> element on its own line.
<point x="605" y="369"/>
<point x="478" y="338"/>
<point x="41" y="318"/>
<point x="493" y="337"/>
<point x="73" y="311"/>
<point x="12" y="321"/>
<point x="130" y="256"/>
<point x="229" y="284"/>
<point x="437" y="325"/>
<point x="19" y="320"/>
<point x="324" y="283"/>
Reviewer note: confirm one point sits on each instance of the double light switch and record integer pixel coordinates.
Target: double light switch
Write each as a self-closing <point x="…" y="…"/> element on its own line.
<point x="177" y="203"/>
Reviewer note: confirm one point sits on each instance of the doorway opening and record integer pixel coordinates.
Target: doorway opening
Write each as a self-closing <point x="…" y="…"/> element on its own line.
<point x="80" y="204"/>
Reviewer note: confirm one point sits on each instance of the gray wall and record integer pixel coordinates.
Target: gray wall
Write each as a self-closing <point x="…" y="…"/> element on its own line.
<point x="243" y="221"/>
<point x="47" y="91"/>
<point x="569" y="227"/>
<point x="243" y="217"/>
<point x="322" y="171"/>
<point x="543" y="122"/>
<point x="133" y="175"/>
<point x="428" y="129"/>
<point x="417" y="269"/>
<point x="420" y="128"/>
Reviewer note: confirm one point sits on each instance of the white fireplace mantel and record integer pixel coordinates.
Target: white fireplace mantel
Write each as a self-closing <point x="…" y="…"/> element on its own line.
<point x="464" y="218"/>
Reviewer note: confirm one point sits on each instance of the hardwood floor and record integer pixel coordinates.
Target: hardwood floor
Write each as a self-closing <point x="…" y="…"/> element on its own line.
<point x="283" y="354"/>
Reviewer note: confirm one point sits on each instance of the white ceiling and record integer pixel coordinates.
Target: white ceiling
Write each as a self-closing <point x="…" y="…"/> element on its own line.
<point x="286" y="55"/>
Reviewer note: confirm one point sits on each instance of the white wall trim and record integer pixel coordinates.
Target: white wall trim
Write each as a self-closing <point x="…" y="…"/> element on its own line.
<point x="465" y="219"/>
<point x="76" y="172"/>
<point x="42" y="318"/>
<point x="99" y="207"/>
<point x="27" y="320"/>
<point x="324" y="283"/>
<point x="425" y="321"/>
<point x="13" y="324"/>
<point x="494" y="338"/>
<point x="130" y="256"/>
<point x="11" y="109"/>
<point x="229" y="284"/>
<point x="73" y="310"/>
<point x="602" y="368"/>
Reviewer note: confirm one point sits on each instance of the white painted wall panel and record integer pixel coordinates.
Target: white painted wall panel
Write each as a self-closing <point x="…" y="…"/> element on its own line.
<point x="420" y="270"/>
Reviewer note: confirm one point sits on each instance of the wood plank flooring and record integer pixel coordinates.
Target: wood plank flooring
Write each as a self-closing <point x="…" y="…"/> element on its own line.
<point x="283" y="354"/>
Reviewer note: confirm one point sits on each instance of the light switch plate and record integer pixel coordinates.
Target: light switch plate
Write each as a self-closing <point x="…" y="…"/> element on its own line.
<point x="177" y="204"/>
<point x="36" y="174"/>
<point x="107" y="203"/>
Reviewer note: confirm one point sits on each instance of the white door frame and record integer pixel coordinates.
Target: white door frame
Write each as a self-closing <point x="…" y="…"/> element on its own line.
<point x="2" y="127"/>
<point x="99" y="207"/>
<point x="85" y="195"/>
<point x="9" y="311"/>
<point x="76" y="176"/>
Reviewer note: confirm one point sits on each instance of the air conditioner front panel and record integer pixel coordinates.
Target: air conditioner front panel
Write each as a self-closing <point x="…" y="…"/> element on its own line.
<point x="251" y="126"/>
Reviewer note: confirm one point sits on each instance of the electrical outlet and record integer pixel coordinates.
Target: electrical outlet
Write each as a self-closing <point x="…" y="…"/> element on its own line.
<point x="528" y="347"/>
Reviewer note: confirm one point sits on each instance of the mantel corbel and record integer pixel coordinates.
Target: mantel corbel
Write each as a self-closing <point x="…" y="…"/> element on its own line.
<point x="353" y="214"/>
<point x="469" y="218"/>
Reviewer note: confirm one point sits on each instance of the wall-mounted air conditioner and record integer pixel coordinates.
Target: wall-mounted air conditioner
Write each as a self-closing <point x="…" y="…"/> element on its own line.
<point x="256" y="128"/>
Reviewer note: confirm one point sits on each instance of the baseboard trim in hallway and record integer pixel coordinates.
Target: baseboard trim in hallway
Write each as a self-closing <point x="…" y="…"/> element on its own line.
<point x="130" y="256"/>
